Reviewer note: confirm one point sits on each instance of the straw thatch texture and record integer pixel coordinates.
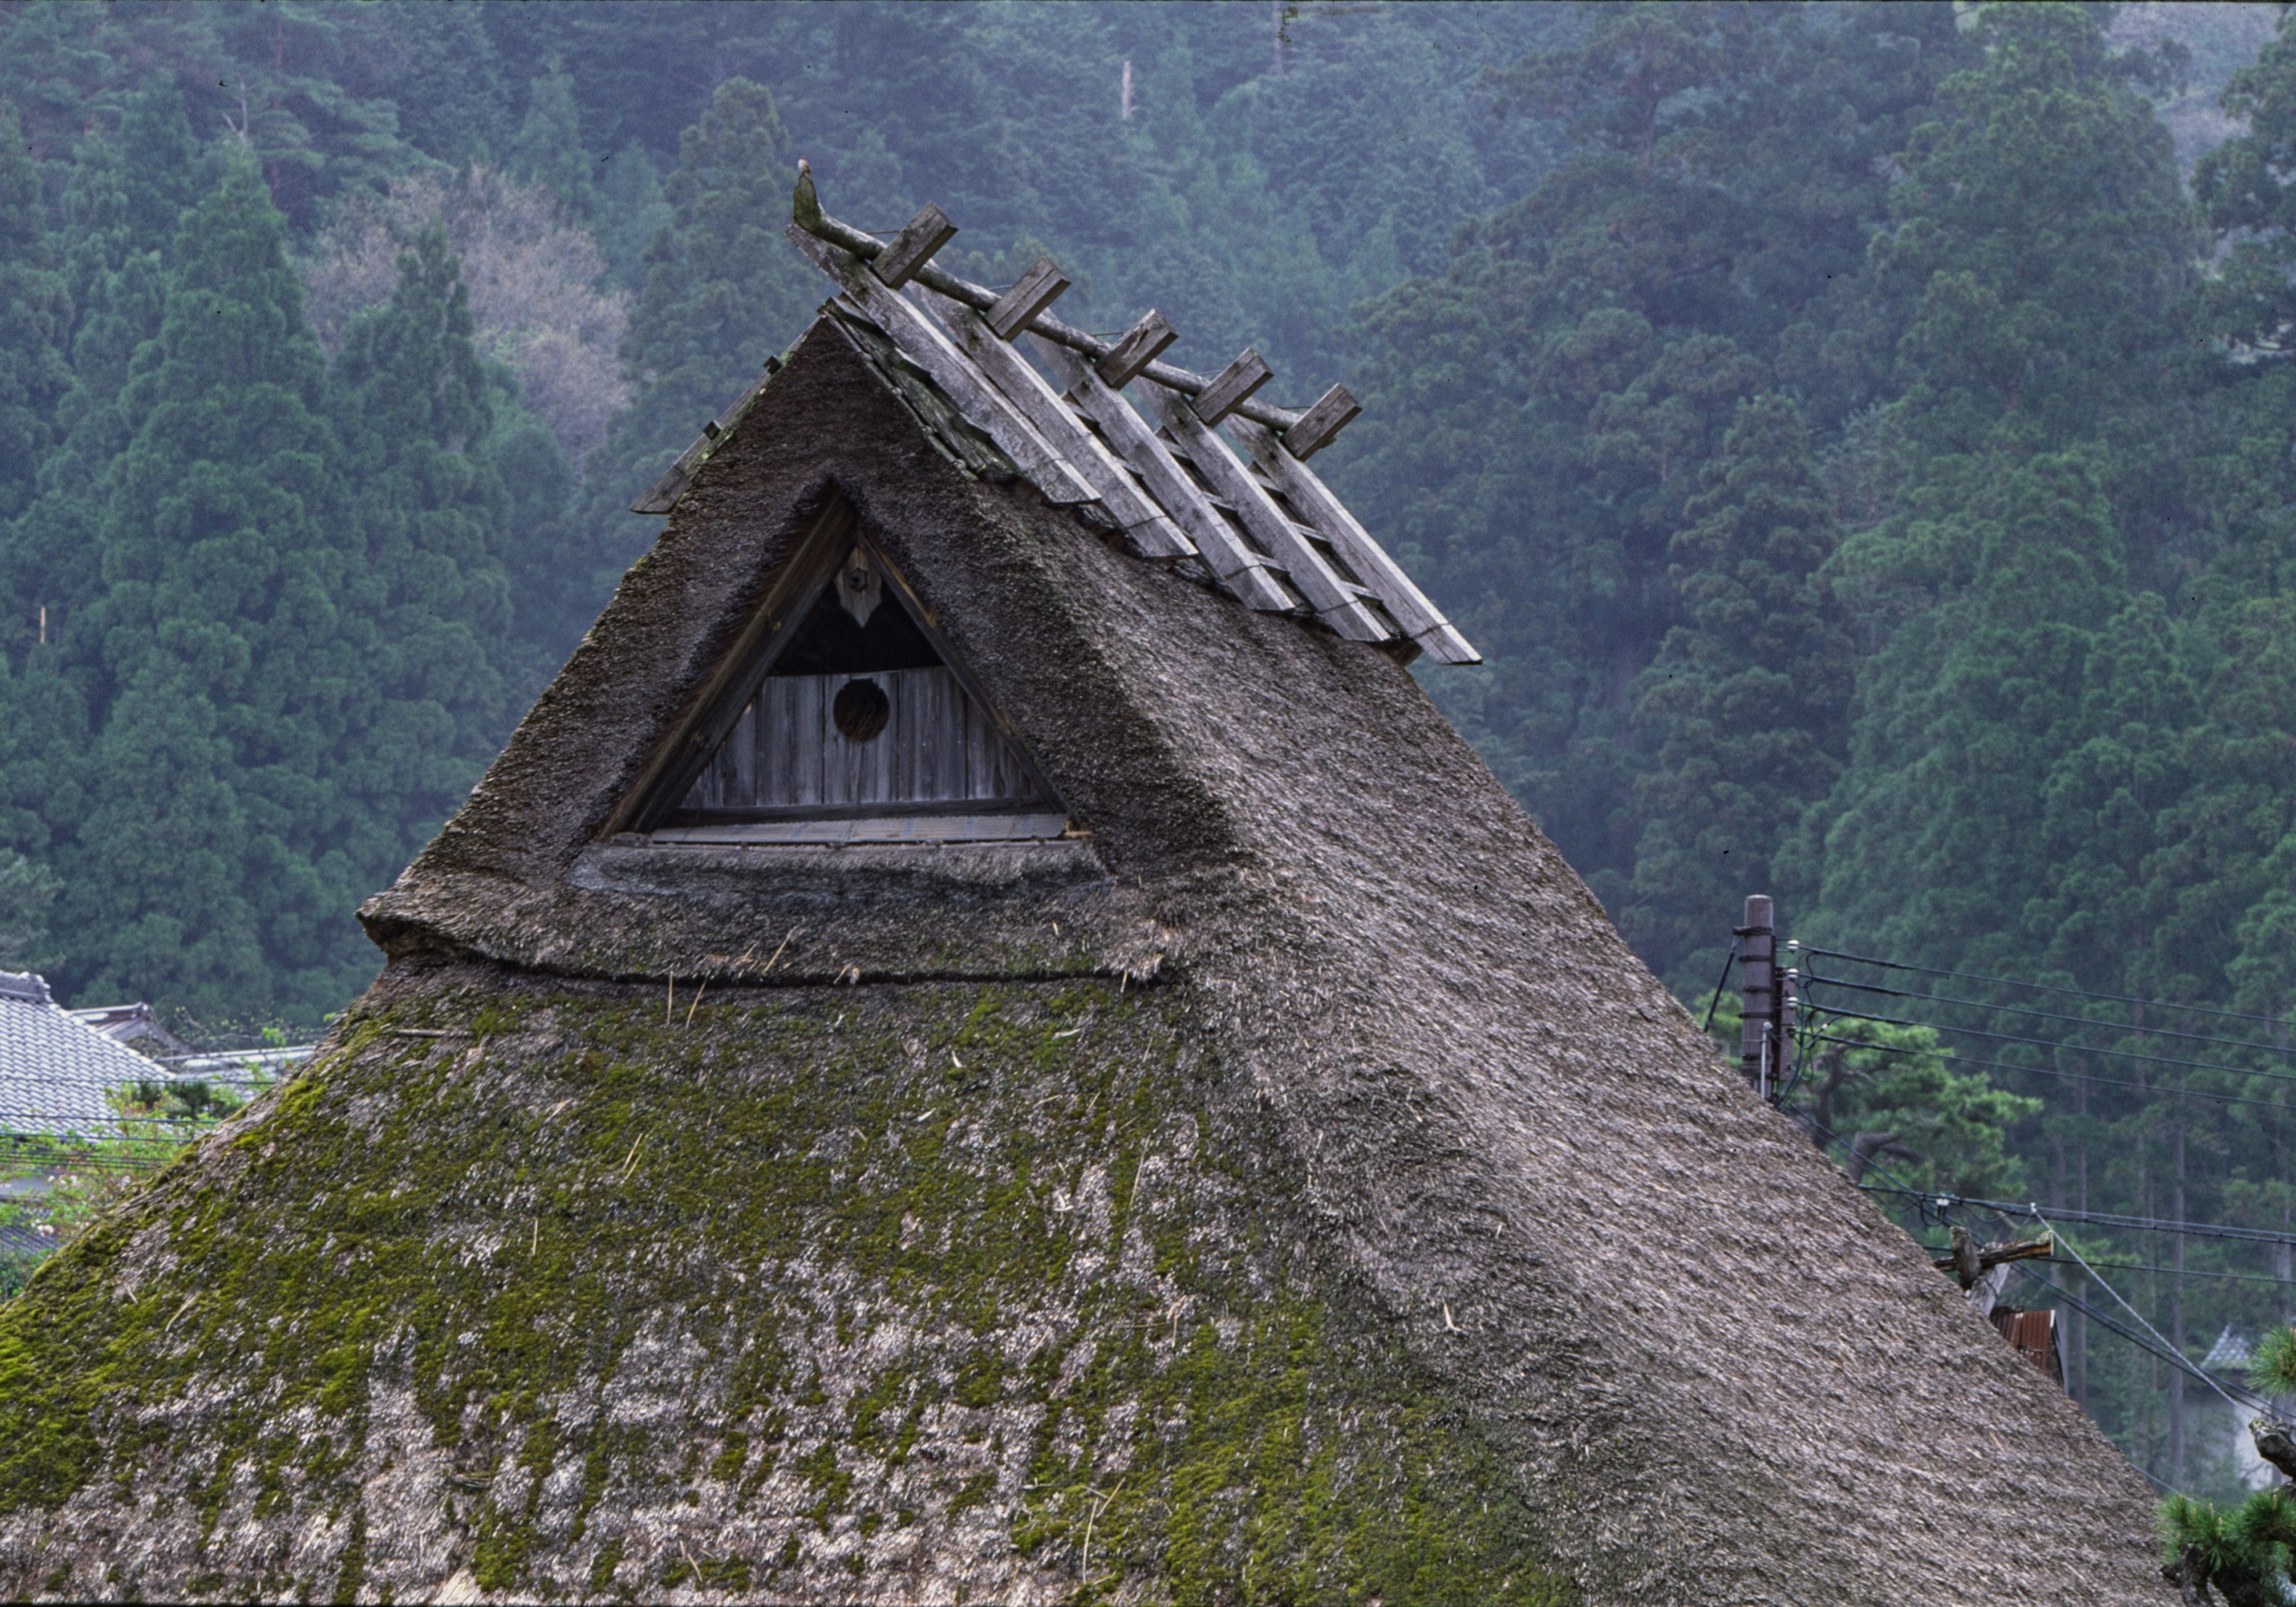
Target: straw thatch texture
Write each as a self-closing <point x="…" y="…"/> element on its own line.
<point x="1292" y="1191"/>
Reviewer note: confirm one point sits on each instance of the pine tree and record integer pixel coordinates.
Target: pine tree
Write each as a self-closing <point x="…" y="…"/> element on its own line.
<point x="1749" y="699"/>
<point x="1583" y="359"/>
<point x="631" y="211"/>
<point x="722" y="292"/>
<point x="206" y="870"/>
<point x="120" y="219"/>
<point x="429" y="610"/>
<point x="2040" y="238"/>
<point x="548" y="149"/>
<point x="34" y="324"/>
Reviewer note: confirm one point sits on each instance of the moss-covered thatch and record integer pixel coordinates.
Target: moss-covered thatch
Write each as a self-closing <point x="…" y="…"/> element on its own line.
<point x="952" y="1288"/>
<point x="1286" y="1188"/>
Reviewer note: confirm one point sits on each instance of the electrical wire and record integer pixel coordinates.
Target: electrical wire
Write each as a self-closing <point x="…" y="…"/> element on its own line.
<point x="1720" y="982"/>
<point x="2175" y="1271"/>
<point x="1965" y="976"/>
<point x="2046" y="1042"/>
<point x="1940" y="1200"/>
<point x="2163" y="1350"/>
<point x="2078" y="1077"/>
<point x="2048" y="1015"/>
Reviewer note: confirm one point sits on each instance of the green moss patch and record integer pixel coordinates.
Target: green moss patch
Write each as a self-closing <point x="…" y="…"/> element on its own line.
<point x="898" y="1269"/>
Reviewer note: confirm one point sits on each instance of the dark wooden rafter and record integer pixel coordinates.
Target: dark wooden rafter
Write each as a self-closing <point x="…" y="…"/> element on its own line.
<point x="1421" y="619"/>
<point x="1332" y="599"/>
<point x="1244" y="571"/>
<point x="1320" y="423"/>
<point x="913" y="246"/>
<point x="809" y="215"/>
<point x="925" y="343"/>
<point x="1147" y="524"/>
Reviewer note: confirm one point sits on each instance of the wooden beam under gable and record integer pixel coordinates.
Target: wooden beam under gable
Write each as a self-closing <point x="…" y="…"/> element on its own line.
<point x="923" y="343"/>
<point x="1421" y="619"/>
<point x="1330" y="597"/>
<point x="1242" y="570"/>
<point x="1132" y="508"/>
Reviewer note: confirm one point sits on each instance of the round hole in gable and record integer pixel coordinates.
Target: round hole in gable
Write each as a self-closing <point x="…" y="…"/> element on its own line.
<point x="860" y="711"/>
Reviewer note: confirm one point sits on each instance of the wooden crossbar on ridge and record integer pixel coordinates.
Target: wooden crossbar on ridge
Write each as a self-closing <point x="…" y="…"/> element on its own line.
<point x="1272" y="533"/>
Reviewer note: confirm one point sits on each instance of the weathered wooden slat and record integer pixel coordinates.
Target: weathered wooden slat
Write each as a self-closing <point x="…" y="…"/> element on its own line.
<point x="939" y="746"/>
<point x="1239" y="568"/>
<point x="1149" y="525"/>
<point x="1141" y="344"/>
<point x="1003" y="827"/>
<point x="1307" y="571"/>
<point x="1232" y="386"/>
<point x="913" y="246"/>
<point x="922" y="341"/>
<point x="1421" y="619"/>
<point x="1016" y="307"/>
<point x="1321" y="422"/>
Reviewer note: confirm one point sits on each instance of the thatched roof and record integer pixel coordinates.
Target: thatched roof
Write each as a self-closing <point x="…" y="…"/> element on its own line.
<point x="1281" y="1184"/>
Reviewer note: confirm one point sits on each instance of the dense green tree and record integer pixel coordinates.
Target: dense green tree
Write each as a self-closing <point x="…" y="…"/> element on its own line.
<point x="118" y="217"/>
<point x="548" y="149"/>
<point x="2039" y="237"/>
<point x="438" y="67"/>
<point x="35" y="324"/>
<point x="722" y="292"/>
<point x="428" y="609"/>
<point x="1749" y="699"/>
<point x="1558" y="390"/>
<point x="631" y="211"/>
<point x="225" y="682"/>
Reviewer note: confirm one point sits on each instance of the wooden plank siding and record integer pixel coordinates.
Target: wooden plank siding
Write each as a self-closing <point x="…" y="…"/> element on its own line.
<point x="785" y="754"/>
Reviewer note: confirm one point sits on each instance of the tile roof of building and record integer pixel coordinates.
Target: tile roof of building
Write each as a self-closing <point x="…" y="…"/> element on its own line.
<point x="54" y="1070"/>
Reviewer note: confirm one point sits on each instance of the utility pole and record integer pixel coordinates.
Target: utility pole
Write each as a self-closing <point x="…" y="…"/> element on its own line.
<point x="1765" y="1001"/>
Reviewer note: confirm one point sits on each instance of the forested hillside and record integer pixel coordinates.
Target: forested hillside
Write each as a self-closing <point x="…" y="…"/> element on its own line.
<point x="1859" y="436"/>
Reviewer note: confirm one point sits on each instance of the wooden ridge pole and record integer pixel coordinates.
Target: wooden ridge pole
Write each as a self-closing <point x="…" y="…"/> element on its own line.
<point x="810" y="217"/>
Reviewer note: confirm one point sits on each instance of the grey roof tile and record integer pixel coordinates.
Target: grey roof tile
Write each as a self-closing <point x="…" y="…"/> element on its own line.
<point x="55" y="1072"/>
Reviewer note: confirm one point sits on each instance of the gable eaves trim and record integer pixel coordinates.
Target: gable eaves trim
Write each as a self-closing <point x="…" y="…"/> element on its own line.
<point x="663" y="495"/>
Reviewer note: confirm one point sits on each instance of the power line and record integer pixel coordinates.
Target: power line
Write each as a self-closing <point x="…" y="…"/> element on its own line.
<point x="2177" y="1272"/>
<point x="1964" y="976"/>
<point x="2078" y="1077"/>
<point x="2046" y="1042"/>
<point x="2048" y="1015"/>
<point x="1940" y="1200"/>
<point x="2162" y="1350"/>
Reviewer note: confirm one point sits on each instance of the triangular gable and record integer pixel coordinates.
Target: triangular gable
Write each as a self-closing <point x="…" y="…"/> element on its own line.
<point x="841" y="714"/>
